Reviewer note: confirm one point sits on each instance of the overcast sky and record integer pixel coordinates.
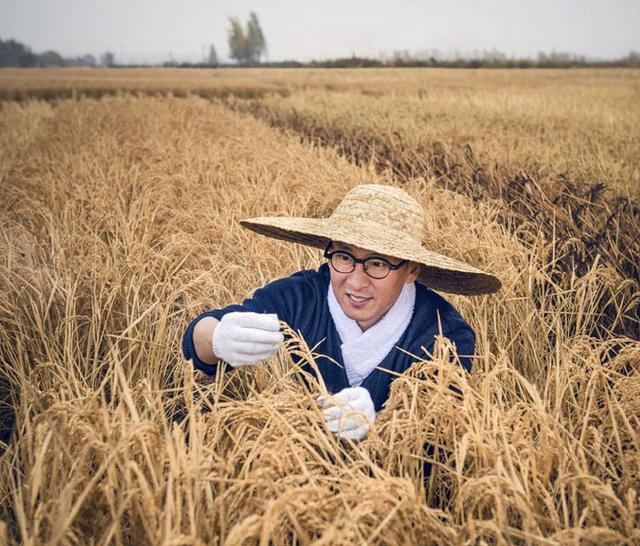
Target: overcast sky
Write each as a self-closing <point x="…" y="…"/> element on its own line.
<point x="151" y="30"/>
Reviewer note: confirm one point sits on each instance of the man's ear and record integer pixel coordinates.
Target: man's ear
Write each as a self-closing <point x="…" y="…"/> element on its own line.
<point x="413" y="272"/>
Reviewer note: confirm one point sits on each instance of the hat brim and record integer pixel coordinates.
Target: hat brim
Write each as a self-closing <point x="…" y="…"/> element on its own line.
<point x="438" y="271"/>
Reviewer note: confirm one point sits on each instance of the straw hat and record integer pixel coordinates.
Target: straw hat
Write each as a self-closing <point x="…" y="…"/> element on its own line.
<point x="381" y="219"/>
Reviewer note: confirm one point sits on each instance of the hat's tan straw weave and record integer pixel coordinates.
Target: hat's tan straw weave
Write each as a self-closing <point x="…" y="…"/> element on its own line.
<point x="386" y="220"/>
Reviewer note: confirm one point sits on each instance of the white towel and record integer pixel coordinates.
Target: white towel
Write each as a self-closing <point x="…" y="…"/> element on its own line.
<point x="363" y="351"/>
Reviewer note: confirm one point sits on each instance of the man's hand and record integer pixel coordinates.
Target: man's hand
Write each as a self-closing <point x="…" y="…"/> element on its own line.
<point x="241" y="339"/>
<point x="349" y="412"/>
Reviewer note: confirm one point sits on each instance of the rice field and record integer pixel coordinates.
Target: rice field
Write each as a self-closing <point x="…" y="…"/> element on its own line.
<point x="121" y="193"/>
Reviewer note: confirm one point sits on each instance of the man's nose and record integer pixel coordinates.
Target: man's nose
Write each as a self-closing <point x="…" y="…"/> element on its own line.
<point x="358" y="278"/>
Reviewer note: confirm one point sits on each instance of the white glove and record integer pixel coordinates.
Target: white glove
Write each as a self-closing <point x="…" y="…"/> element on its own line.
<point x="349" y="412"/>
<point x="245" y="338"/>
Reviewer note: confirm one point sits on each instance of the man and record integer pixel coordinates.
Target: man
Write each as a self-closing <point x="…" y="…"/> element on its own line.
<point x="369" y="309"/>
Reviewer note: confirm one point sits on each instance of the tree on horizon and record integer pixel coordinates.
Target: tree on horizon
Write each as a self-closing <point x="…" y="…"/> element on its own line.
<point x="246" y="46"/>
<point x="108" y="58"/>
<point x="256" y="43"/>
<point x="213" y="56"/>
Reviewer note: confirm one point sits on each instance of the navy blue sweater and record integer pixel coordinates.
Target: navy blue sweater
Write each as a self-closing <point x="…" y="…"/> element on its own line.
<point x="301" y="301"/>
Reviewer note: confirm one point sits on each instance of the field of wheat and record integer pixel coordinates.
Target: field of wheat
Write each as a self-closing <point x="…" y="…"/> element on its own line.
<point x="120" y="199"/>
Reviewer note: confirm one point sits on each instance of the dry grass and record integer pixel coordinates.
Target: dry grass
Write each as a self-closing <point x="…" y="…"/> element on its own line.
<point x="120" y="222"/>
<point x="583" y="132"/>
<point x="559" y="154"/>
<point x="60" y="83"/>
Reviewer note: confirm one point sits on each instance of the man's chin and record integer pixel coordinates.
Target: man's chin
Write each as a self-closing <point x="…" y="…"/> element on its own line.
<point x="358" y="316"/>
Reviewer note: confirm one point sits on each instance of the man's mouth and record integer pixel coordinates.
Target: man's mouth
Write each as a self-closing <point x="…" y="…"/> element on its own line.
<point x="358" y="301"/>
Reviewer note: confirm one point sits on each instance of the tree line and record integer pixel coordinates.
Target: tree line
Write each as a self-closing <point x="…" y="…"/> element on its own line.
<point x="14" y="53"/>
<point x="248" y="46"/>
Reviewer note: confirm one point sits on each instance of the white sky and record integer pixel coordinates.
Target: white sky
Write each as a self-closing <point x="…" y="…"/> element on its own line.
<point x="151" y="30"/>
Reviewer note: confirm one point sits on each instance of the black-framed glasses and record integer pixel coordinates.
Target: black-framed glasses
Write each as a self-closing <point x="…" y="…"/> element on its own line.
<point x="374" y="266"/>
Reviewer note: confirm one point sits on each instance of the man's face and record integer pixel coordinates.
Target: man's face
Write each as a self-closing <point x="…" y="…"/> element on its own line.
<point x="362" y="298"/>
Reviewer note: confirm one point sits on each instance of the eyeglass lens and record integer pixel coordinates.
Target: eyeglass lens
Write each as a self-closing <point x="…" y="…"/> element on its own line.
<point x="374" y="267"/>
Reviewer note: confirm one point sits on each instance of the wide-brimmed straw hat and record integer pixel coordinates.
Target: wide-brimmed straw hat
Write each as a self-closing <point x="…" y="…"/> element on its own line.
<point x="386" y="220"/>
